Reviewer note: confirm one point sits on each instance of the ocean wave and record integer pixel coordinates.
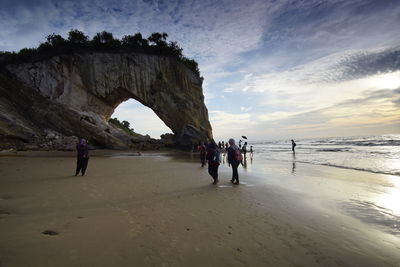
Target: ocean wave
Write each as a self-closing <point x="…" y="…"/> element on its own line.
<point x="366" y="169"/>
<point x="397" y="173"/>
<point x="332" y="150"/>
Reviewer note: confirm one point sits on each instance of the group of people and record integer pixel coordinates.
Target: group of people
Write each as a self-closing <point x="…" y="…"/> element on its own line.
<point x="212" y="153"/>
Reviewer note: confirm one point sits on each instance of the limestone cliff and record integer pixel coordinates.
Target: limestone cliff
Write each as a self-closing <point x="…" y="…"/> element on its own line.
<point x="75" y="95"/>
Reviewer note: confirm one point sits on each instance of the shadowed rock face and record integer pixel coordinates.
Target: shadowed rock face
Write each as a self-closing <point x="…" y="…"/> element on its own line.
<point x="75" y="95"/>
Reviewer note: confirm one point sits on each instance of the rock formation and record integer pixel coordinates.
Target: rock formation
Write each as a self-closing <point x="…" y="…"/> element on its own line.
<point x="74" y="95"/>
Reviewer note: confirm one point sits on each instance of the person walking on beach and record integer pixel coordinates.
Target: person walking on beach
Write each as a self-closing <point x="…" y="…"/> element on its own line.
<point x="234" y="158"/>
<point x="202" y="149"/>
<point x="213" y="161"/>
<point x="244" y="149"/>
<point x="82" y="157"/>
<point x="251" y="152"/>
<point x="293" y="145"/>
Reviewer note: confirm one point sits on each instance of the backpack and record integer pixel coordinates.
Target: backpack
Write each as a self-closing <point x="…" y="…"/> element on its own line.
<point x="238" y="155"/>
<point x="216" y="156"/>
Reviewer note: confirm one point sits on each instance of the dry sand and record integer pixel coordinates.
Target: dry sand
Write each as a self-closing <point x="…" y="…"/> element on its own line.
<point x="157" y="211"/>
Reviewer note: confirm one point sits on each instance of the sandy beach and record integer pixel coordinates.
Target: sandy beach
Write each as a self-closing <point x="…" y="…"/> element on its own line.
<point x="158" y="210"/>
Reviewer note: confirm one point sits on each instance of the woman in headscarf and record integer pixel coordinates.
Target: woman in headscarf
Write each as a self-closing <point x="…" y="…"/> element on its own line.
<point x="213" y="161"/>
<point x="234" y="158"/>
<point x="83" y="156"/>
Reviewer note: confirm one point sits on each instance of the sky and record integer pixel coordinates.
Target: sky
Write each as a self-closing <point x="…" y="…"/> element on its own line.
<point x="273" y="69"/>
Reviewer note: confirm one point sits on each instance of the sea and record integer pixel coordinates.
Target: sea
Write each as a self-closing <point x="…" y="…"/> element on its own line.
<point x="377" y="154"/>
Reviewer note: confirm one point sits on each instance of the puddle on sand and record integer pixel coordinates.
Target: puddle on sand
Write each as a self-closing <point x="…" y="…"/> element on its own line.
<point x="235" y="185"/>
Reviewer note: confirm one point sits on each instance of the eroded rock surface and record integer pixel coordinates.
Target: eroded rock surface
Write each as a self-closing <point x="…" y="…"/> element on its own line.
<point x="75" y="95"/>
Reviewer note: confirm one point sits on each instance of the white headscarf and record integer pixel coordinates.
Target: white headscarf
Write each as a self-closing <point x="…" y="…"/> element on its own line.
<point x="232" y="144"/>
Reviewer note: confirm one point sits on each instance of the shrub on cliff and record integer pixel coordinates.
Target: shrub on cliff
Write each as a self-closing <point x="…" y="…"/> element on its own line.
<point x="103" y="41"/>
<point x="124" y="125"/>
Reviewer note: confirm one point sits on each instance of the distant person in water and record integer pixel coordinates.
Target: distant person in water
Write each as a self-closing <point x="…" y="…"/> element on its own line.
<point x="83" y="156"/>
<point x="234" y="159"/>
<point x="202" y="149"/>
<point x="293" y="145"/>
<point x="251" y="151"/>
<point x="213" y="161"/>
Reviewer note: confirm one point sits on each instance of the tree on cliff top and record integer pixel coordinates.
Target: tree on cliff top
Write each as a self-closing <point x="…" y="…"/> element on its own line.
<point x="103" y="41"/>
<point x="76" y="37"/>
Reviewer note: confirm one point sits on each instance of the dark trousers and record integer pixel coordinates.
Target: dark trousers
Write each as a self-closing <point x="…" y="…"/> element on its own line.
<point x="81" y="165"/>
<point x="213" y="171"/>
<point x="235" y="174"/>
<point x="203" y="158"/>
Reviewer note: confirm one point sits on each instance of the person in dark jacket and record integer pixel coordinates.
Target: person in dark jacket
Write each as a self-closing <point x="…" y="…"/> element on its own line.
<point x="213" y="161"/>
<point x="202" y="149"/>
<point x="244" y="149"/>
<point x="293" y="145"/>
<point x="82" y="156"/>
<point x="232" y="161"/>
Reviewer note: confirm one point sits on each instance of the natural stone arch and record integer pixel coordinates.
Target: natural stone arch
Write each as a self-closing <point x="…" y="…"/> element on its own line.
<point x="142" y="119"/>
<point x="94" y="84"/>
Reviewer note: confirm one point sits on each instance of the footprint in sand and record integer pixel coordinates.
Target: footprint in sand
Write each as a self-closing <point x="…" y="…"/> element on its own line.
<point x="50" y="232"/>
<point x="4" y="212"/>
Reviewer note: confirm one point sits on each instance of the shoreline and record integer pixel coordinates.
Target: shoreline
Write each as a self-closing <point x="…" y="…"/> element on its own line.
<point x="163" y="210"/>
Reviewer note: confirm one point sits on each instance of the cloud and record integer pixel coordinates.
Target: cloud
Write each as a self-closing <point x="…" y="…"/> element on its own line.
<point x="373" y="112"/>
<point x="225" y="124"/>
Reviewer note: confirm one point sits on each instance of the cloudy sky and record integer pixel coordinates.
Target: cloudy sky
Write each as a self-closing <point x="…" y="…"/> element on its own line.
<point x="273" y="69"/>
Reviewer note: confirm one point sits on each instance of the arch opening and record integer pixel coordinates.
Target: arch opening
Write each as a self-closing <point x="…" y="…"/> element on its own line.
<point x="143" y="120"/>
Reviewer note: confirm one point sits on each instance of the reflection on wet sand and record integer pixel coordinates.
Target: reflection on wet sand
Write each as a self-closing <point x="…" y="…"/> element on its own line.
<point x="294" y="164"/>
<point x="371" y="213"/>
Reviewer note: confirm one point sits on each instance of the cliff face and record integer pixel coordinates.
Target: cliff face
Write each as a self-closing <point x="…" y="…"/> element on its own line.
<point x="75" y="95"/>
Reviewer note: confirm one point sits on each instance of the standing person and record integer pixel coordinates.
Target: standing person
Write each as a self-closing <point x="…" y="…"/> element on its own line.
<point x="82" y="157"/>
<point x="225" y="150"/>
<point x="234" y="158"/>
<point x="251" y="151"/>
<point x="213" y="161"/>
<point x="244" y="149"/>
<point x="202" y="149"/>
<point x="293" y="145"/>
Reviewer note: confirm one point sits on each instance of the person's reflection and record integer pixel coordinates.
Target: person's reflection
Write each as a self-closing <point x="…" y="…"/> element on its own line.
<point x="245" y="163"/>
<point x="294" y="164"/>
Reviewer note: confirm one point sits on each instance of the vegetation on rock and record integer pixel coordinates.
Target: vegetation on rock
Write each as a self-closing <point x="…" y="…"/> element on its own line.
<point x="77" y="41"/>
<point x="124" y="125"/>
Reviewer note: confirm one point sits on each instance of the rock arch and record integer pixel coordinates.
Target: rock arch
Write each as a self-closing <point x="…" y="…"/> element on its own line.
<point x="89" y="86"/>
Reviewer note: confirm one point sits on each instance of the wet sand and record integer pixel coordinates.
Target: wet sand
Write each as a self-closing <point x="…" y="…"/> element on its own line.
<point x="153" y="210"/>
